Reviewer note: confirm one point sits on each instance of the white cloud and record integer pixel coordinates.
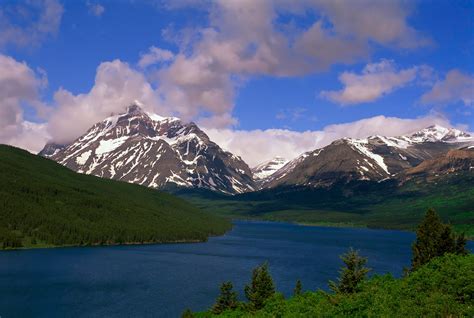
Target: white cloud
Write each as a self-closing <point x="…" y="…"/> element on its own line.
<point x="19" y="87"/>
<point x="116" y="86"/>
<point x="246" y="38"/>
<point x="155" y="55"/>
<point x="18" y="28"/>
<point x="256" y="146"/>
<point x="384" y="22"/>
<point x="456" y="87"/>
<point x="30" y="136"/>
<point x="375" y="81"/>
<point x="95" y="9"/>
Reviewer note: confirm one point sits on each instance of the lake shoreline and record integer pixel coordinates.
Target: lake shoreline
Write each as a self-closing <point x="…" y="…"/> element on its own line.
<point x="309" y="224"/>
<point x="184" y="241"/>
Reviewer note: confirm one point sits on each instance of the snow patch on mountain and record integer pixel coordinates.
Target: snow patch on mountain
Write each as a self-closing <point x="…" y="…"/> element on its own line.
<point x="267" y="168"/>
<point x="82" y="159"/>
<point x="361" y="145"/>
<point x="106" y="146"/>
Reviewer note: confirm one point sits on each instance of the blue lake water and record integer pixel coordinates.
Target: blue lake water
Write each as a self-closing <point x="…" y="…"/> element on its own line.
<point x="163" y="280"/>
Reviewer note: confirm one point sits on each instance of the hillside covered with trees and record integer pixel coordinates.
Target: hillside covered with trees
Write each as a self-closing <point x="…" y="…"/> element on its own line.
<point x="44" y="204"/>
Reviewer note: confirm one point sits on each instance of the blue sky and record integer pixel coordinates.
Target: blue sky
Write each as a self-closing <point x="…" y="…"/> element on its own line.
<point x="422" y="53"/>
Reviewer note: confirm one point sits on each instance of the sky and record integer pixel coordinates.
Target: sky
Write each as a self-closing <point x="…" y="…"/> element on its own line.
<point x="262" y="78"/>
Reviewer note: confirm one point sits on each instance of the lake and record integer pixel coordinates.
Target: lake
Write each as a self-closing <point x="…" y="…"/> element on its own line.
<point x="163" y="280"/>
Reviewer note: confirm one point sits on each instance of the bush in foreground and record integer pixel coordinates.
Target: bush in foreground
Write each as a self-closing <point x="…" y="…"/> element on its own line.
<point x="442" y="288"/>
<point x="439" y="284"/>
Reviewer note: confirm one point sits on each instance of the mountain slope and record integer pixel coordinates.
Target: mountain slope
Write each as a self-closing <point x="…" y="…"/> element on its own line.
<point x="375" y="158"/>
<point x="455" y="161"/>
<point x="46" y="204"/>
<point x="146" y="149"/>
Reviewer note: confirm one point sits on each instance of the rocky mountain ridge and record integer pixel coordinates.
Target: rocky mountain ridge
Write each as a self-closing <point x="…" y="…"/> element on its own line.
<point x="375" y="158"/>
<point x="162" y="152"/>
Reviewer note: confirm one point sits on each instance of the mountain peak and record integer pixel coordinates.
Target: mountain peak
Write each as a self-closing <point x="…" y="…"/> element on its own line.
<point x="135" y="108"/>
<point x="269" y="167"/>
<point x="143" y="148"/>
<point x="437" y="133"/>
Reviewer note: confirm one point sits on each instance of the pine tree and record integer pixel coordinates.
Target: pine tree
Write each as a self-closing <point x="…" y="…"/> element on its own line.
<point x="460" y="247"/>
<point x="447" y="242"/>
<point x="352" y="274"/>
<point x="433" y="239"/>
<point x="261" y="288"/>
<point x="298" y="288"/>
<point x="187" y="314"/>
<point x="226" y="300"/>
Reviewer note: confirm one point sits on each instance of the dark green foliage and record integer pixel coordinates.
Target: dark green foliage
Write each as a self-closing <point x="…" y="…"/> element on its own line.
<point x="298" y="288"/>
<point x="261" y="288"/>
<point x="226" y="300"/>
<point x="460" y="247"/>
<point x="361" y="203"/>
<point x="187" y="314"/>
<point x="444" y="287"/>
<point x="45" y="204"/>
<point x="352" y="274"/>
<point x="433" y="239"/>
<point x="8" y="239"/>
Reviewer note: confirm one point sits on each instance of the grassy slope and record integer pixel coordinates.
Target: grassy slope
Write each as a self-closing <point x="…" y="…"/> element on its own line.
<point x="45" y="204"/>
<point x="442" y="288"/>
<point x="373" y="205"/>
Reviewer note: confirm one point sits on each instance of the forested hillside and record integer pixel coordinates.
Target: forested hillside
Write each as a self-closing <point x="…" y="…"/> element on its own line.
<point x="45" y="204"/>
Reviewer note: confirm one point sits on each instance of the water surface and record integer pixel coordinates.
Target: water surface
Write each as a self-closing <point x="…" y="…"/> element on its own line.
<point x="163" y="280"/>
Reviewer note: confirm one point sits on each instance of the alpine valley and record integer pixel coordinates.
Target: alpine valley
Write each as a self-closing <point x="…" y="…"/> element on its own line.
<point x="355" y="182"/>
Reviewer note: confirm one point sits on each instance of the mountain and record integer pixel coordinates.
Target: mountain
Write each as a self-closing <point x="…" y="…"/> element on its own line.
<point x="375" y="158"/>
<point x="45" y="204"/>
<point x="158" y="152"/>
<point x="453" y="162"/>
<point x="267" y="168"/>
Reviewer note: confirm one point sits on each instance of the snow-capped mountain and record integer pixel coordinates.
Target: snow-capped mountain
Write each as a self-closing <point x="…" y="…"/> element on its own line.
<point x="268" y="168"/>
<point x="375" y="158"/>
<point x="154" y="151"/>
<point x="437" y="133"/>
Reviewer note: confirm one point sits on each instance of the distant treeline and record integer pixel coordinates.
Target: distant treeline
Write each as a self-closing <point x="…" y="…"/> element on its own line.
<point x="45" y="204"/>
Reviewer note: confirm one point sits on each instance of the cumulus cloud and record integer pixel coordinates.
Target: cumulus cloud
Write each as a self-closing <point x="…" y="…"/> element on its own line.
<point x="30" y="23"/>
<point x="375" y="81"/>
<point x="116" y="86"/>
<point x="256" y="146"/>
<point x="95" y="9"/>
<point x="154" y="56"/>
<point x="199" y="81"/>
<point x="456" y="86"/>
<point x="19" y="87"/>
<point x="384" y="22"/>
<point x="247" y="38"/>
